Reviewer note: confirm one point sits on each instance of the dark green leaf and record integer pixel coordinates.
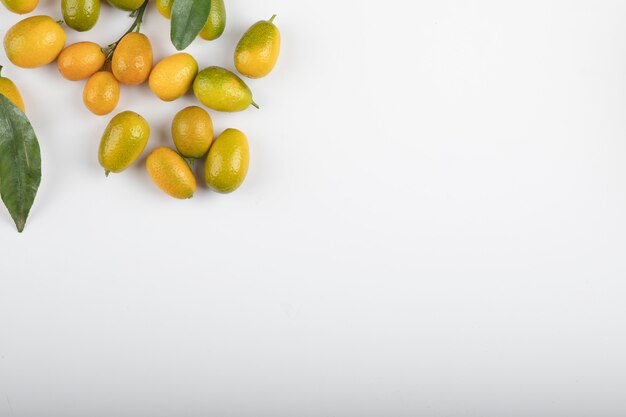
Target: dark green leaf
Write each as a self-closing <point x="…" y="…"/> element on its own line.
<point x="20" y="162"/>
<point x="188" y="19"/>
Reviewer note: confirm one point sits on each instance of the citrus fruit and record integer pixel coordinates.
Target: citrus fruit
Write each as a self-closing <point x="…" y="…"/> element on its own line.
<point x="20" y="6"/>
<point x="257" y="51"/>
<point x="132" y="59"/>
<point x="216" y="22"/>
<point x="172" y="77"/>
<point x="227" y="162"/>
<point x="128" y="5"/>
<point x="222" y="90"/>
<point x="80" y="60"/>
<point x="192" y="131"/>
<point x="123" y="141"/>
<point x="10" y="91"/>
<point x="80" y="15"/>
<point x="171" y="173"/>
<point x="101" y="93"/>
<point x="34" y="41"/>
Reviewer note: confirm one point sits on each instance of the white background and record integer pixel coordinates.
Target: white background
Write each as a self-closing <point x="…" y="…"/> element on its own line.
<point x="433" y="224"/>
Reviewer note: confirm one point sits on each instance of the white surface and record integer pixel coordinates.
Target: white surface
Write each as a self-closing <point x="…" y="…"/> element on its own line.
<point x="433" y="224"/>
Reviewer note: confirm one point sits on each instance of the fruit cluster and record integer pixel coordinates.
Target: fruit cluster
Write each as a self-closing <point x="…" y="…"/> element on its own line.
<point x="40" y="40"/>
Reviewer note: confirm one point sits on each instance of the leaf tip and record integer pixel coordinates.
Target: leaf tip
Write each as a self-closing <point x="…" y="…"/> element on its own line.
<point x="20" y="223"/>
<point x="179" y="45"/>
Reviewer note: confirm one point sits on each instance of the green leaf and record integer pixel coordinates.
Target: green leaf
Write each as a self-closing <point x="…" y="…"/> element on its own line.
<point x="188" y="19"/>
<point x="20" y="162"/>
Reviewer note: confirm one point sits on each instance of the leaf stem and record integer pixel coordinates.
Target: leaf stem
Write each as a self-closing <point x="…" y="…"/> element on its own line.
<point x="135" y="27"/>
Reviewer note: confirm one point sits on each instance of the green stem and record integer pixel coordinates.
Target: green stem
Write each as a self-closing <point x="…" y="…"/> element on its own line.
<point x="255" y="105"/>
<point x="135" y="27"/>
<point x="272" y="19"/>
<point x="1" y="70"/>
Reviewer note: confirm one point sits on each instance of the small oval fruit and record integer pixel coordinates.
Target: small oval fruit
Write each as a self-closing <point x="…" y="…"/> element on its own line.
<point x="222" y="90"/>
<point x="192" y="131"/>
<point x="172" y="77"/>
<point x="10" y="91"/>
<point x="216" y="22"/>
<point x="257" y="51"/>
<point x="20" y="6"/>
<point x="171" y="173"/>
<point x="123" y="141"/>
<point x="132" y="59"/>
<point x="34" y="42"/>
<point x="165" y="8"/>
<point x="101" y="93"/>
<point x="227" y="162"/>
<point x="128" y="5"/>
<point x="80" y="60"/>
<point x="80" y="15"/>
